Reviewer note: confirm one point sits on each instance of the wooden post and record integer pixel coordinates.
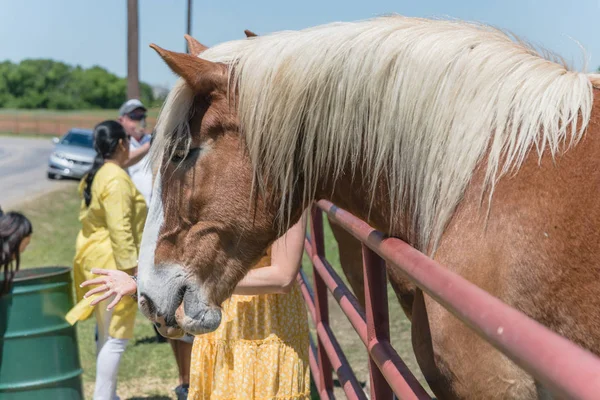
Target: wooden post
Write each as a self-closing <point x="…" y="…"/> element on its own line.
<point x="189" y="23"/>
<point x="133" y="80"/>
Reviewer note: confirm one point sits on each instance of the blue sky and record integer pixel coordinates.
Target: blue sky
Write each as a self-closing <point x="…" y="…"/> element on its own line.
<point x="93" y="32"/>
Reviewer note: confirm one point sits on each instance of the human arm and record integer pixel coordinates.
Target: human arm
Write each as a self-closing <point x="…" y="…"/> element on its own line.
<point x="136" y="155"/>
<point x="286" y="260"/>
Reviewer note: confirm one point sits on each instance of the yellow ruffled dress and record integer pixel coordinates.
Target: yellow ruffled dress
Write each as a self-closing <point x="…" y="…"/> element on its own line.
<point x="259" y="352"/>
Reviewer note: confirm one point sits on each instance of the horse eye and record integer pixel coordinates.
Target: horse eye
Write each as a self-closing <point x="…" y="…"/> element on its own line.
<point x="179" y="155"/>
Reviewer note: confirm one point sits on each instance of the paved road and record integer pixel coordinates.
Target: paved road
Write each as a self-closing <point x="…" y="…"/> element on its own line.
<point x="23" y="165"/>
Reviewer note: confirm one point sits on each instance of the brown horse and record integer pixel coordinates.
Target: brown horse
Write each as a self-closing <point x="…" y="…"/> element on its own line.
<point x="467" y="145"/>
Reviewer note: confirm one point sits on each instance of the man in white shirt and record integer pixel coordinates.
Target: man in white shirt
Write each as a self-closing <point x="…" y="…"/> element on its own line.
<point x="132" y="115"/>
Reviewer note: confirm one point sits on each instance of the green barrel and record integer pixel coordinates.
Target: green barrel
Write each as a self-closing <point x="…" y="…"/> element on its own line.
<point x="39" y="358"/>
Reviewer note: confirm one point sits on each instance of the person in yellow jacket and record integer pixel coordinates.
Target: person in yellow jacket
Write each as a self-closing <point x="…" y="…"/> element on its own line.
<point x="112" y="215"/>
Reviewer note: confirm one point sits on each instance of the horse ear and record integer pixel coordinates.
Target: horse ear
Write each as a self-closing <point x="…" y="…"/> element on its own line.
<point x="194" y="46"/>
<point x="250" y="33"/>
<point x="201" y="75"/>
<point x="595" y="79"/>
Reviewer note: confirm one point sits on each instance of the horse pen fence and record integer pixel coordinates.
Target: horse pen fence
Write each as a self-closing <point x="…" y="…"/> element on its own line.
<point x="560" y="365"/>
<point x="54" y="124"/>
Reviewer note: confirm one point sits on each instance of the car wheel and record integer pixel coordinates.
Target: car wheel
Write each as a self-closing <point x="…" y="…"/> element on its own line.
<point x="53" y="176"/>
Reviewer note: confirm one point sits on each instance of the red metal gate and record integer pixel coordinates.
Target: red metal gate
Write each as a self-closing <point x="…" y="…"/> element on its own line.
<point x="563" y="367"/>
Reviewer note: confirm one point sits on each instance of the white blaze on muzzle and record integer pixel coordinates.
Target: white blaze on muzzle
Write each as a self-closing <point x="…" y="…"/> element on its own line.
<point x="162" y="288"/>
<point x="154" y="220"/>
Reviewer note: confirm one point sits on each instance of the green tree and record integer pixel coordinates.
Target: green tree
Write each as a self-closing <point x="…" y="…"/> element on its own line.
<point x="52" y="84"/>
<point x="6" y="97"/>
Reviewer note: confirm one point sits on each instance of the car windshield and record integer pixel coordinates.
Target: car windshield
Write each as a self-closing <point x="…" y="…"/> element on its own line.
<point x="78" y="139"/>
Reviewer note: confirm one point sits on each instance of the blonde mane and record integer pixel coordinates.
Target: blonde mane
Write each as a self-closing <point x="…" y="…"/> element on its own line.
<point x="420" y="101"/>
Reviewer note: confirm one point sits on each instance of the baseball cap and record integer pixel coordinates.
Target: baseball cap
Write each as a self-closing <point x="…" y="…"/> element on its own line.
<point x="130" y="105"/>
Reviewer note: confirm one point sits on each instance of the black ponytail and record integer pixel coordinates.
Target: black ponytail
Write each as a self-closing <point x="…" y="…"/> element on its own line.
<point x="106" y="141"/>
<point x="89" y="178"/>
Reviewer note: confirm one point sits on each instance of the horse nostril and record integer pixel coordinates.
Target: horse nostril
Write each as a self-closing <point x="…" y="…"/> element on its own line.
<point x="181" y="293"/>
<point x="146" y="304"/>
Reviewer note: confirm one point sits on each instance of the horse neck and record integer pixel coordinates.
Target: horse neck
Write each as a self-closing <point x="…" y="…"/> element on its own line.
<point x="352" y="192"/>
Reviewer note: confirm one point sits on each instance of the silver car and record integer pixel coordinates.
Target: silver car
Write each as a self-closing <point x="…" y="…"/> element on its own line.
<point x="73" y="155"/>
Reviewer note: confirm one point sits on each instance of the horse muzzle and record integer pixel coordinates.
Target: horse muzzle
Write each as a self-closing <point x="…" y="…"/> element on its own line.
<point x="190" y="315"/>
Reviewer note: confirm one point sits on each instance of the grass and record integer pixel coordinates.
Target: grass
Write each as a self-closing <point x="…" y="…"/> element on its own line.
<point x="148" y="369"/>
<point x="55" y="227"/>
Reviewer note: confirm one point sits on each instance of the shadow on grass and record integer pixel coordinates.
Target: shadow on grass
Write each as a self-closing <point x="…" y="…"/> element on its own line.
<point x="149" y="340"/>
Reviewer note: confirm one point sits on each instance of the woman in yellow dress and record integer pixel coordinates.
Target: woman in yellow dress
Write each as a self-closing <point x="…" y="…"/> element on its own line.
<point x="112" y="215"/>
<point x="260" y="350"/>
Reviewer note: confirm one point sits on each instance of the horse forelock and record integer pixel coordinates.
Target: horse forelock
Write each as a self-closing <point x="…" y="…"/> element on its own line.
<point x="172" y="129"/>
<point x="421" y="101"/>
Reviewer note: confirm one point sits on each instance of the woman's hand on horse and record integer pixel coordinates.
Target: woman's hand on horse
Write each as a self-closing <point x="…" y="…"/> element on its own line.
<point x="112" y="282"/>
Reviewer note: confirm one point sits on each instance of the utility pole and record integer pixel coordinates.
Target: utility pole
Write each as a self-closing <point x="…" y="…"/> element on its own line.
<point x="189" y="23"/>
<point x="133" y="44"/>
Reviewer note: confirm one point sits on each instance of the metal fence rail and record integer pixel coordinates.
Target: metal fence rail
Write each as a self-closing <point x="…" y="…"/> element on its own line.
<point x="561" y="365"/>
